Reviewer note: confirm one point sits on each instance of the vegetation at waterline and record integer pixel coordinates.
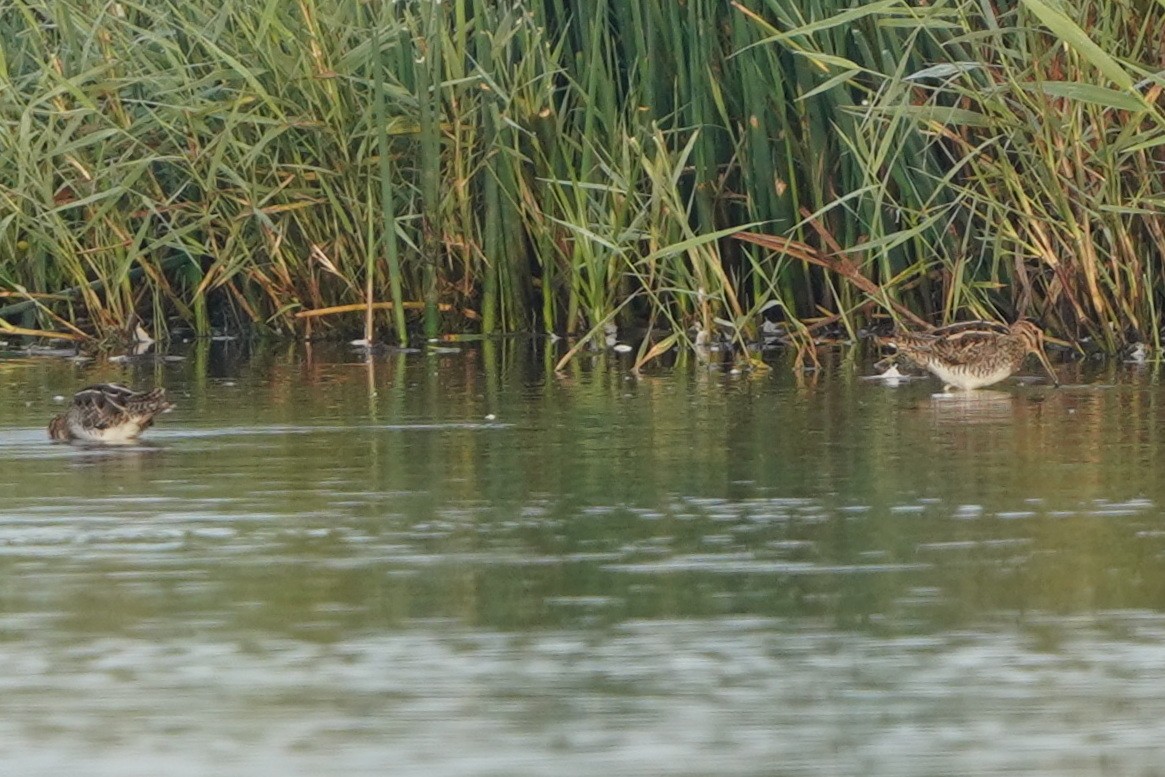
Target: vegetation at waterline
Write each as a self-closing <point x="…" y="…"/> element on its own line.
<point x="562" y="165"/>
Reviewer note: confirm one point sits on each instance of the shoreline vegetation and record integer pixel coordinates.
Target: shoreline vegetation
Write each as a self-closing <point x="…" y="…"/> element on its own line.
<point x="568" y="166"/>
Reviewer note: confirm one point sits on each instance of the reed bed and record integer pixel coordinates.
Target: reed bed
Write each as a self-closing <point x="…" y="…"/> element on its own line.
<point x="580" y="166"/>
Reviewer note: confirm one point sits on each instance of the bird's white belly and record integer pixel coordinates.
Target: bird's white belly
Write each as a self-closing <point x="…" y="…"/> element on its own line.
<point x="967" y="380"/>
<point x="120" y="434"/>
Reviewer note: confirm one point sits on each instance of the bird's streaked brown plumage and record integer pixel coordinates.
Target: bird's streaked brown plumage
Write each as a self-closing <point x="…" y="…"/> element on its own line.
<point x="110" y="413"/>
<point x="973" y="354"/>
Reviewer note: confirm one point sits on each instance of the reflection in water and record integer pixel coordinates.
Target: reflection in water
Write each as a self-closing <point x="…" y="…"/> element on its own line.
<point x="118" y="461"/>
<point x="986" y="406"/>
<point x="458" y="563"/>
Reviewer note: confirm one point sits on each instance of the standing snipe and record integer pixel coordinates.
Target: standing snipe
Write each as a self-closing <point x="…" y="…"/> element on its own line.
<point x="108" y="413"/>
<point x="973" y="354"/>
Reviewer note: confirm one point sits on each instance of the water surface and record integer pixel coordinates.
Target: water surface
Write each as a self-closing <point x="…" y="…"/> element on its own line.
<point x="460" y="563"/>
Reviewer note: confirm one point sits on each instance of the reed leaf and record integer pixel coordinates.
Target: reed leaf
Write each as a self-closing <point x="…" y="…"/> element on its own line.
<point x="561" y="165"/>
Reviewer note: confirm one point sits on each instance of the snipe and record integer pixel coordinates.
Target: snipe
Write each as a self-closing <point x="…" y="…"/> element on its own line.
<point x="973" y="354"/>
<point x="108" y="413"/>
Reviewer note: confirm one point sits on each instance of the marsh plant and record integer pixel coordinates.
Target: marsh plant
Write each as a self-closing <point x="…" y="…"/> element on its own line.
<point x="563" y="165"/>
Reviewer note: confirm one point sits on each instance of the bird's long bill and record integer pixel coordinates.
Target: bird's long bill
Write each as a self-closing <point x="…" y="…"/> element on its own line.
<point x="1047" y="366"/>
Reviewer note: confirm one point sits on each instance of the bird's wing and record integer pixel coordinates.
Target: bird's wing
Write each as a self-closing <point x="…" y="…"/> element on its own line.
<point x="103" y="406"/>
<point x="965" y="347"/>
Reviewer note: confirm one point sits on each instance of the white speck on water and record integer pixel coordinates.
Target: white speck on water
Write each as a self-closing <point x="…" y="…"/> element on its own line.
<point x="622" y="347"/>
<point x="892" y="376"/>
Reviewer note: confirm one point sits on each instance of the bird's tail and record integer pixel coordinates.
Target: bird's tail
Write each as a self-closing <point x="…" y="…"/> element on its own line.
<point x="148" y="404"/>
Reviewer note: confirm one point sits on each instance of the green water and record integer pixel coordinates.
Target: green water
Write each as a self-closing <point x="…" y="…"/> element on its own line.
<point x="463" y="564"/>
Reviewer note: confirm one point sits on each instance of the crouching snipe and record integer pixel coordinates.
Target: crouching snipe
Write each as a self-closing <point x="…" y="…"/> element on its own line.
<point x="974" y="354"/>
<point x="108" y="413"/>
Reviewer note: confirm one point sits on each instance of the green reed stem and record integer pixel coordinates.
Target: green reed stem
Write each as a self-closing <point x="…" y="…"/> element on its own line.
<point x="387" y="210"/>
<point x="429" y="97"/>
